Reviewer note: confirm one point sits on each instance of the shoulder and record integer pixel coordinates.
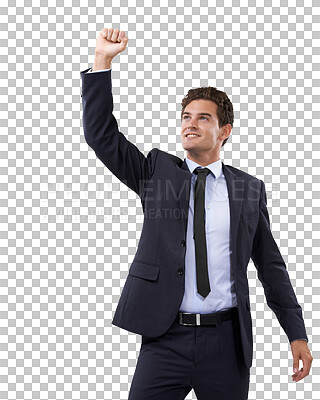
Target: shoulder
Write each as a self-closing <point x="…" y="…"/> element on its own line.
<point x="175" y="159"/>
<point x="242" y="174"/>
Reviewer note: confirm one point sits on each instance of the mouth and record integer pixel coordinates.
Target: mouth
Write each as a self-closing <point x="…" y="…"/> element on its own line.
<point x="190" y="136"/>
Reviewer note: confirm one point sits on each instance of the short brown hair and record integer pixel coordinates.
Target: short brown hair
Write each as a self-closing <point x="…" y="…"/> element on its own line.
<point x="224" y="106"/>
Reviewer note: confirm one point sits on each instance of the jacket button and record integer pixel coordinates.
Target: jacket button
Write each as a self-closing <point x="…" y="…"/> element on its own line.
<point x="183" y="243"/>
<point x="180" y="271"/>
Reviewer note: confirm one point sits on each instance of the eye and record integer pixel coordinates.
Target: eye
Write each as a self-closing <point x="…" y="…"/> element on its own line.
<point x="187" y="116"/>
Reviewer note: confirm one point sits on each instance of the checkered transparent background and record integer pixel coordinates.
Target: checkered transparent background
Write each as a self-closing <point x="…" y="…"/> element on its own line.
<point x="69" y="228"/>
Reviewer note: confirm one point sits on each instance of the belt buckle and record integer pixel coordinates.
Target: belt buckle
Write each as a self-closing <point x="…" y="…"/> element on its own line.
<point x="184" y="323"/>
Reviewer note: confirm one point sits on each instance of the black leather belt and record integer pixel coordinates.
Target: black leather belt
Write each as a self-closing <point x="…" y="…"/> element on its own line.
<point x="194" y="319"/>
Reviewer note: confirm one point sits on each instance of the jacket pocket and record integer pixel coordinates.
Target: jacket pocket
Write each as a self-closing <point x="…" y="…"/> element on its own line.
<point x="144" y="270"/>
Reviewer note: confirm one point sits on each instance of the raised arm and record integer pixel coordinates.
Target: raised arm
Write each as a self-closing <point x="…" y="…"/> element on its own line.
<point x="100" y="127"/>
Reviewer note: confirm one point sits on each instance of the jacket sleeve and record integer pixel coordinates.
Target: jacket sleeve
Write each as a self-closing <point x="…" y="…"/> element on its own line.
<point x="101" y="133"/>
<point x="274" y="276"/>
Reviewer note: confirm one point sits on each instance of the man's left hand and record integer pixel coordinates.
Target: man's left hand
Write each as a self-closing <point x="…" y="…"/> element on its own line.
<point x="301" y="351"/>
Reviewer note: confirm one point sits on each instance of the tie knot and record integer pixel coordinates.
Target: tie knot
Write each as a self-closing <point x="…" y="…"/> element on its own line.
<point x="199" y="170"/>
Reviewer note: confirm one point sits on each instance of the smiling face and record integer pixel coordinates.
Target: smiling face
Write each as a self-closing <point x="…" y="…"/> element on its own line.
<point x="200" y="118"/>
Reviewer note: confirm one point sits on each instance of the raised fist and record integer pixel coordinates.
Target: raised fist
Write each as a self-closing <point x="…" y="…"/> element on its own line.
<point x="111" y="42"/>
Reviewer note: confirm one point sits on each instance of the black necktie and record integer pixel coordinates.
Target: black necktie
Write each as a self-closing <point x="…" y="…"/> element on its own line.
<point x="203" y="284"/>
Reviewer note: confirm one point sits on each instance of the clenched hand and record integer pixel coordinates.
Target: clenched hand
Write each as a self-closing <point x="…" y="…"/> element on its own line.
<point x="110" y="42"/>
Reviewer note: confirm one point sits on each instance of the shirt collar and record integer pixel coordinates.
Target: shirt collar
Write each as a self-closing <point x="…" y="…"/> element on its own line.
<point x="215" y="167"/>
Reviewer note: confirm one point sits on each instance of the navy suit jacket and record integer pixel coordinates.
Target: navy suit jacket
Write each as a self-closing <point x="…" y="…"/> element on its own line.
<point x="154" y="287"/>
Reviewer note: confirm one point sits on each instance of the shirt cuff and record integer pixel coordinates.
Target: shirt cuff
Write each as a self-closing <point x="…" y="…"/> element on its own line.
<point x="299" y="339"/>
<point x="90" y="70"/>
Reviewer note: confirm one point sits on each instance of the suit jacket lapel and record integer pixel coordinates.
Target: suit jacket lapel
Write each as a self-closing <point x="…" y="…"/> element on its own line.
<point x="235" y="187"/>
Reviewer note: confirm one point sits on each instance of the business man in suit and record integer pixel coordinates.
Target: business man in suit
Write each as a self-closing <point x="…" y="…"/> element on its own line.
<point x="187" y="291"/>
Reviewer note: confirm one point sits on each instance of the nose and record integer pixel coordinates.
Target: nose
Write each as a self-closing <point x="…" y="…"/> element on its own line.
<point x="191" y="124"/>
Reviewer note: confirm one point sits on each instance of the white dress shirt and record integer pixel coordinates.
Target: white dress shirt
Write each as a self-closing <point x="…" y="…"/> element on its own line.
<point x="90" y="70"/>
<point x="217" y="224"/>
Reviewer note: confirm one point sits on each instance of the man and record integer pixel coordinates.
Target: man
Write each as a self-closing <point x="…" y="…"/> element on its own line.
<point x="187" y="291"/>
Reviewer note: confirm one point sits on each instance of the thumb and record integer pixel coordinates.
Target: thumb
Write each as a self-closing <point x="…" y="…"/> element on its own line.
<point x="123" y="37"/>
<point x="295" y="364"/>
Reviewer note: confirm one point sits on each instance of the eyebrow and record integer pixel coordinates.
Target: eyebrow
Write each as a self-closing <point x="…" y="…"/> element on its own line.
<point x="197" y="114"/>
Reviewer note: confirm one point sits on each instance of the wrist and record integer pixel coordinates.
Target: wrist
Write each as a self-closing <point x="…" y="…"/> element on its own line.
<point x="101" y="62"/>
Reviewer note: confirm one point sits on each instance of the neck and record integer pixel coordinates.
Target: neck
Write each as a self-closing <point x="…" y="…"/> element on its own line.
<point x="203" y="159"/>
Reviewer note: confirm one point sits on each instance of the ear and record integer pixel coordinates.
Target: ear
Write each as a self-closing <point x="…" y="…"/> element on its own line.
<point x="226" y="131"/>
